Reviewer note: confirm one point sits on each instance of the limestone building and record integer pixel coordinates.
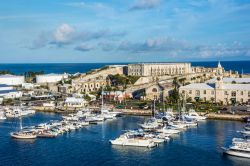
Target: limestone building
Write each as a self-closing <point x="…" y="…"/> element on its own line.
<point x="218" y="91"/>
<point x="159" y="69"/>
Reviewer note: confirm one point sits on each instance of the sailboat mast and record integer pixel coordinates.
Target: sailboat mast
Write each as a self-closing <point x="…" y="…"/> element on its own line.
<point x="102" y="99"/>
<point x="21" y="125"/>
<point x="154" y="109"/>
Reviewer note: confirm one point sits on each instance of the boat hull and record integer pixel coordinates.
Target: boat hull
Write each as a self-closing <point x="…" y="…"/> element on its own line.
<point x="22" y="136"/>
<point x="236" y="153"/>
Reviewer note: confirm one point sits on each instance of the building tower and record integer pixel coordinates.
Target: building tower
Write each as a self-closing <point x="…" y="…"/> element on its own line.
<point x="219" y="69"/>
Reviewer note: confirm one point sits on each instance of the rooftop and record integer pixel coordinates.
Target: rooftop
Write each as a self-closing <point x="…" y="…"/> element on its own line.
<point x="230" y="80"/>
<point x="201" y="86"/>
<point x="9" y="76"/>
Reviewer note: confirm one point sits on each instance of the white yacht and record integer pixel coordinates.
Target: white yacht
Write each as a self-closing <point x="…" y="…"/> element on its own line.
<point x="150" y="124"/>
<point x="71" y="117"/>
<point x="132" y="139"/>
<point x="27" y="111"/>
<point x="178" y="125"/>
<point x="246" y="133"/>
<point x="2" y="115"/>
<point x="14" y="112"/>
<point x="240" y="147"/>
<point x="192" y="115"/>
<point x="168" y="130"/>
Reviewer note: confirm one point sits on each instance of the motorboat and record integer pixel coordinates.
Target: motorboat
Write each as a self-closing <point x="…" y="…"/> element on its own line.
<point x="168" y="130"/>
<point x="178" y="124"/>
<point x="245" y="133"/>
<point x="134" y="139"/>
<point x="150" y="124"/>
<point x="106" y="114"/>
<point x="247" y="126"/>
<point x="14" y="112"/>
<point x="155" y="138"/>
<point x="27" y="111"/>
<point x="47" y="134"/>
<point x="2" y="115"/>
<point x="71" y="117"/>
<point x="192" y="115"/>
<point x="240" y="148"/>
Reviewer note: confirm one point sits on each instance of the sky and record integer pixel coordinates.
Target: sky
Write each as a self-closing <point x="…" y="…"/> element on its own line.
<point x="83" y="31"/>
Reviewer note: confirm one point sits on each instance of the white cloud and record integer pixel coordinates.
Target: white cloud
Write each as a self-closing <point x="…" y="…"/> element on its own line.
<point x="63" y="34"/>
<point x="173" y="47"/>
<point x="66" y="34"/>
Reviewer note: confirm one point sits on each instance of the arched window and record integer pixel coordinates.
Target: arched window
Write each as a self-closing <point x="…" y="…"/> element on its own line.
<point x="154" y="90"/>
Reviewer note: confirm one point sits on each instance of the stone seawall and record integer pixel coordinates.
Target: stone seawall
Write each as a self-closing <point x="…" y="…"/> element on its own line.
<point x="135" y="112"/>
<point x="226" y="117"/>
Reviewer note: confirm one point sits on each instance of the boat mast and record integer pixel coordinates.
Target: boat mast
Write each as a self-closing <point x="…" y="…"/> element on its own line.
<point x="154" y="109"/>
<point x="21" y="125"/>
<point x="102" y="99"/>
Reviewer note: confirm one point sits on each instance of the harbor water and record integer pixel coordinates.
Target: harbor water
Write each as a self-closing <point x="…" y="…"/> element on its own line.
<point x="90" y="145"/>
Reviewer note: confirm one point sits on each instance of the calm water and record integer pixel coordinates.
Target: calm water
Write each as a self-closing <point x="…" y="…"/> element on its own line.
<point x="84" y="67"/>
<point x="89" y="146"/>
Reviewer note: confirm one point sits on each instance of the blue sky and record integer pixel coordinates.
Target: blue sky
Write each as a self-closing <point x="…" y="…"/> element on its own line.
<point x="47" y="31"/>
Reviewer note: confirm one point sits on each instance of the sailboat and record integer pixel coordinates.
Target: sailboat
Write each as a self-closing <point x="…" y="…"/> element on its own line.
<point x="106" y="113"/>
<point x="22" y="134"/>
<point x="152" y="122"/>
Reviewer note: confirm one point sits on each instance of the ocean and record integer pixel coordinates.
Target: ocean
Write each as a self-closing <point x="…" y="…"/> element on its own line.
<point x="198" y="146"/>
<point x="84" y="67"/>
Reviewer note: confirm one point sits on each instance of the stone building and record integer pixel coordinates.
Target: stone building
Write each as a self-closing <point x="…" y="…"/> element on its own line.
<point x="218" y="91"/>
<point x="90" y="85"/>
<point x="159" y="69"/>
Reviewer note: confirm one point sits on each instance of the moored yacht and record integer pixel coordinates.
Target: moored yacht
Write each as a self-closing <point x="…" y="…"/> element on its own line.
<point x="240" y="147"/>
<point x="133" y="139"/>
<point x="2" y="115"/>
<point x="192" y="115"/>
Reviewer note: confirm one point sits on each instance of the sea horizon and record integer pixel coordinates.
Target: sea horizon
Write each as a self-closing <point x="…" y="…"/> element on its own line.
<point x="71" y="68"/>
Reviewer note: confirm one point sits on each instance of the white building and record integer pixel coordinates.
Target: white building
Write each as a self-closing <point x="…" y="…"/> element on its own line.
<point x="9" y="79"/>
<point x="219" y="90"/>
<point x="159" y="69"/>
<point x="7" y="92"/>
<point x="27" y="86"/>
<point x="73" y="102"/>
<point x="50" y="78"/>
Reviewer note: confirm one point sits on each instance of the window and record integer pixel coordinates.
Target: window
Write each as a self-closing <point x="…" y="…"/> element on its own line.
<point x="197" y="93"/>
<point x="212" y="92"/>
<point x="241" y="100"/>
<point x="190" y="91"/>
<point x="204" y="92"/>
<point x="183" y="91"/>
<point x="241" y="93"/>
<point x="233" y="94"/>
<point x="154" y="90"/>
<point x="248" y="93"/>
<point x="226" y="93"/>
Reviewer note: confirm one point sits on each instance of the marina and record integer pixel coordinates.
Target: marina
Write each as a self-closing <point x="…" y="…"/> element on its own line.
<point x="90" y="145"/>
